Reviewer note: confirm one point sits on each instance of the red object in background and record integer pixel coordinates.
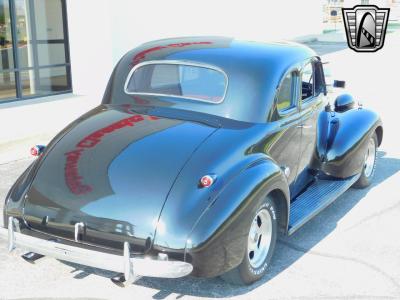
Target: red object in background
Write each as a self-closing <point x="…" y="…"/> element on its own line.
<point x="37" y="150"/>
<point x="206" y="181"/>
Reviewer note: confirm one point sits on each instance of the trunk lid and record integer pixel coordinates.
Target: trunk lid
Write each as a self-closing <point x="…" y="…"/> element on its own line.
<point x="112" y="170"/>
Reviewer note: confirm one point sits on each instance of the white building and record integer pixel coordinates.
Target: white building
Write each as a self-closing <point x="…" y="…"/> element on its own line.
<point x="332" y="8"/>
<point x="69" y="48"/>
<point x="58" y="46"/>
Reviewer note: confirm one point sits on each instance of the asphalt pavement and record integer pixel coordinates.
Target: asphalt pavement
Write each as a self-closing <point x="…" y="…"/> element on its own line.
<point x="349" y="251"/>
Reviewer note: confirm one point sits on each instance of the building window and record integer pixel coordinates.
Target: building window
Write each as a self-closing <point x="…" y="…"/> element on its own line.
<point x="34" y="50"/>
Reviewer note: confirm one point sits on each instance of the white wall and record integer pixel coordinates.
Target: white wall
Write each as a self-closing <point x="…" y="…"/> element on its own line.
<point x="90" y="45"/>
<point x="137" y="22"/>
<point x="101" y="31"/>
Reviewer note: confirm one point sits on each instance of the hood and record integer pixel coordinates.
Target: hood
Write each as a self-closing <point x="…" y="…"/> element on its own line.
<point x="112" y="169"/>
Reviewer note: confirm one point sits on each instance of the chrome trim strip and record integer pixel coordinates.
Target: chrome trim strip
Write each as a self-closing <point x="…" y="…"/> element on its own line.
<point x="144" y="266"/>
<point x="176" y="62"/>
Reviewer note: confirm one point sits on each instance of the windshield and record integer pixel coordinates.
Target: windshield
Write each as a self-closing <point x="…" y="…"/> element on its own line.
<point x="195" y="82"/>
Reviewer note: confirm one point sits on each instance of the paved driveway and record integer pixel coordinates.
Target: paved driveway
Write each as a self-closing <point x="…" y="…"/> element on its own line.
<point x="351" y="250"/>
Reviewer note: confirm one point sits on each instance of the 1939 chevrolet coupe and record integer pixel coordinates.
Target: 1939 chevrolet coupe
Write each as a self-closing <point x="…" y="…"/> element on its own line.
<point x="201" y="152"/>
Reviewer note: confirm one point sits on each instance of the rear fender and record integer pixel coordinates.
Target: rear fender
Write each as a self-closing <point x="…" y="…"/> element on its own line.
<point x="13" y="205"/>
<point x="218" y="240"/>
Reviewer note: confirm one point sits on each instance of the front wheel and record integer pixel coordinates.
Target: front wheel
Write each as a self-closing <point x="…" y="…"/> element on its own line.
<point x="368" y="170"/>
<point x="260" y="246"/>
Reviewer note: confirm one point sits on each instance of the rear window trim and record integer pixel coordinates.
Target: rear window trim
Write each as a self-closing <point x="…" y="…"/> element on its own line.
<point x="176" y="62"/>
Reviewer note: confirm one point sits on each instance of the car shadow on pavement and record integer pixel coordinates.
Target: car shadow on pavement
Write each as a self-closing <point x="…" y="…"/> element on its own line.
<point x="288" y="249"/>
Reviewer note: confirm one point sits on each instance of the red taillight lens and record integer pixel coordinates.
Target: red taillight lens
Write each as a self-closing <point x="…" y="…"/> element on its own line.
<point x="34" y="151"/>
<point x="37" y="150"/>
<point x="206" y="181"/>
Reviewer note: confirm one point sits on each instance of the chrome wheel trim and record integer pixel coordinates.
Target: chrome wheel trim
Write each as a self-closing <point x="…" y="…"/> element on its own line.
<point x="259" y="239"/>
<point x="370" y="158"/>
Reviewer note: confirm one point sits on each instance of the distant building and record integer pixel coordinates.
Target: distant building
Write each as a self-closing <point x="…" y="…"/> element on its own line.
<point x="52" y="47"/>
<point x="332" y="9"/>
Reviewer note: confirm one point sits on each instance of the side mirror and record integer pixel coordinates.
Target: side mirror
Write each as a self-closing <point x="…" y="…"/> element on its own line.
<point x="339" y="84"/>
<point x="344" y="102"/>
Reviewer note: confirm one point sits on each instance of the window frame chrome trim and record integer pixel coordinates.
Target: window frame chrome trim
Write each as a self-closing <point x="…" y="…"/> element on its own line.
<point x="311" y="61"/>
<point x="176" y="62"/>
<point x="294" y="107"/>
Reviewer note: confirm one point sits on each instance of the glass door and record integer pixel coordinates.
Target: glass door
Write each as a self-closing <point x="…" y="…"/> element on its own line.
<point x="7" y="75"/>
<point x="37" y="47"/>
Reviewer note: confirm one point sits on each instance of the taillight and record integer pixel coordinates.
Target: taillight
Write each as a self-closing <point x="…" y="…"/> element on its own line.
<point x="206" y="181"/>
<point x="37" y="150"/>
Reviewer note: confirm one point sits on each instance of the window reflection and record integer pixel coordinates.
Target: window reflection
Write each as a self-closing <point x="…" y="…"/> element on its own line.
<point x="7" y="78"/>
<point x="7" y="85"/>
<point x="6" y="61"/>
<point x="25" y="51"/>
<point x="51" y="54"/>
<point x="48" y="17"/>
<point x="44" y="81"/>
<point x="38" y="35"/>
<point x="53" y="79"/>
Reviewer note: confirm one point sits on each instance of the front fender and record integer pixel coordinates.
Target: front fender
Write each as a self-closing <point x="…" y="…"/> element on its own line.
<point x="218" y="240"/>
<point x="343" y="138"/>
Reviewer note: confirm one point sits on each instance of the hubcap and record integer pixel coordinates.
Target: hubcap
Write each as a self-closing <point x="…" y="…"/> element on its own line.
<point x="370" y="158"/>
<point x="259" y="239"/>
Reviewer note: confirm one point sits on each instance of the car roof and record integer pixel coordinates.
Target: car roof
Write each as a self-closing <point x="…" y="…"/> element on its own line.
<point x="254" y="69"/>
<point x="219" y="50"/>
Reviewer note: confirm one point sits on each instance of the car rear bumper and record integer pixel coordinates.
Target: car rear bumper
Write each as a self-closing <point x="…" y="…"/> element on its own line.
<point x="129" y="266"/>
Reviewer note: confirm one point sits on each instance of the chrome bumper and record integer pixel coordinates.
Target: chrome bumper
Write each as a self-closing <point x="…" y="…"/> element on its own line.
<point x="129" y="266"/>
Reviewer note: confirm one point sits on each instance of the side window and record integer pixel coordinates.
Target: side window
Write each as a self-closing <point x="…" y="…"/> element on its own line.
<point x="307" y="82"/>
<point x="319" y="78"/>
<point x="285" y="93"/>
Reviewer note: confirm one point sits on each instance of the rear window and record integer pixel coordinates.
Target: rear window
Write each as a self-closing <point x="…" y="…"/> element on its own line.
<point x="178" y="80"/>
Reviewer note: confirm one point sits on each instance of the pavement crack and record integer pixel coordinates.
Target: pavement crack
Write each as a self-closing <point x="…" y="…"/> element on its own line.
<point x="345" y="258"/>
<point x="374" y="215"/>
<point x="14" y="161"/>
<point x="355" y="296"/>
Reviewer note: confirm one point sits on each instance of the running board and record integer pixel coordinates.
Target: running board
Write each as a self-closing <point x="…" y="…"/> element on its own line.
<point x="315" y="199"/>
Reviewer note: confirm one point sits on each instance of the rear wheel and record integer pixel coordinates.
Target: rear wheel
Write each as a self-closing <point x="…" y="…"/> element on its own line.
<point x="260" y="246"/>
<point x="368" y="170"/>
